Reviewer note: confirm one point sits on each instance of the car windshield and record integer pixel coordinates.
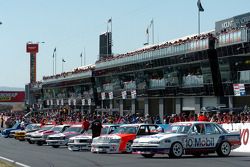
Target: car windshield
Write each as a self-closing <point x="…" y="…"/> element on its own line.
<point x="105" y="130"/>
<point x="15" y="126"/>
<point x="57" y="128"/>
<point x="178" y="128"/>
<point x="88" y="132"/>
<point x="46" y="127"/>
<point x="29" y="127"/>
<point x="74" y="129"/>
<point x="125" y="130"/>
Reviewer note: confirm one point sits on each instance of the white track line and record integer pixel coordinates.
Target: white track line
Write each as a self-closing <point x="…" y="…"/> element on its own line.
<point x="14" y="162"/>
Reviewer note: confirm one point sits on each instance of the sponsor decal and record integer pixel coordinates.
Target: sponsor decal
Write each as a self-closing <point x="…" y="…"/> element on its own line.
<point x="244" y="133"/>
<point x="200" y="142"/>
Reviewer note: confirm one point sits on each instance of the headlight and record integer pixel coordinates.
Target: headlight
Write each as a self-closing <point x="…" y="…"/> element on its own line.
<point x="154" y="142"/>
<point x="114" y="141"/>
<point x="71" y="141"/>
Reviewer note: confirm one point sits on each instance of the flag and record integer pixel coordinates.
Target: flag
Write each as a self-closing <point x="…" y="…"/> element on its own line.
<point x="200" y="6"/>
<point x="110" y="20"/>
<point x="63" y="60"/>
<point x="53" y="55"/>
<point x="81" y="55"/>
<point x="147" y="31"/>
<point x="54" y="50"/>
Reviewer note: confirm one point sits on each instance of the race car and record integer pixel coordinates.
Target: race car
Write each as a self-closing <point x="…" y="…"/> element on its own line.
<point x="20" y="134"/>
<point x="83" y="141"/>
<point x="6" y="132"/>
<point x="195" y="138"/>
<point x="42" y="129"/>
<point x="61" y="139"/>
<point x="40" y="137"/>
<point x="121" y="139"/>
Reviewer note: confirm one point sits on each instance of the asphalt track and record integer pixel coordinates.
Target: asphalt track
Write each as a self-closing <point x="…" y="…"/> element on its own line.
<point x="46" y="156"/>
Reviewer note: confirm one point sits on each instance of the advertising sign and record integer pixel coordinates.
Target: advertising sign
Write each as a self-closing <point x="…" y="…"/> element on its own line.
<point x="32" y="48"/>
<point x="239" y="90"/>
<point x="12" y="96"/>
<point x="133" y="94"/>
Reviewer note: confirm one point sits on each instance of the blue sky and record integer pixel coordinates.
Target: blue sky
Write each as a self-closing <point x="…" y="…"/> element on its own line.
<point x="72" y="25"/>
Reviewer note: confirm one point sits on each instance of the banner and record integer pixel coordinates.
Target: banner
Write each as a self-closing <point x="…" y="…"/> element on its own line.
<point x="103" y="95"/>
<point x="89" y="102"/>
<point x="12" y="96"/>
<point x="244" y="133"/>
<point x="74" y="102"/>
<point x="111" y="95"/>
<point x="239" y="90"/>
<point x="124" y="94"/>
<point x="62" y="102"/>
<point x="69" y="102"/>
<point x="51" y="102"/>
<point x="83" y="102"/>
<point x="133" y="94"/>
<point x="57" y="102"/>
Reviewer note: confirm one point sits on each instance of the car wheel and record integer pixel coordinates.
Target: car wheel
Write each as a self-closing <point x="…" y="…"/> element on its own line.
<point x="176" y="150"/>
<point x="31" y="142"/>
<point x="129" y="147"/>
<point x="224" y="149"/>
<point x="39" y="143"/>
<point x="147" y="155"/>
<point x="55" y="146"/>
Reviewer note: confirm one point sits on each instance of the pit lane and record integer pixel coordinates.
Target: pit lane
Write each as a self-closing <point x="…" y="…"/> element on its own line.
<point x="46" y="156"/>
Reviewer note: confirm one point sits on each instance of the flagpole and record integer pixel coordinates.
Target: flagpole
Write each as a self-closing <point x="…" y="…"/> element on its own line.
<point x="153" y="31"/>
<point x="55" y="62"/>
<point x="62" y="65"/>
<point x="84" y="54"/>
<point x="107" y="38"/>
<point x="198" y="22"/>
<point x="111" y="35"/>
<point x="81" y="59"/>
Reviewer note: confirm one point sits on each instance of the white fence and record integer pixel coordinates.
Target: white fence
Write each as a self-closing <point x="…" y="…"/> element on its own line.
<point x="244" y="133"/>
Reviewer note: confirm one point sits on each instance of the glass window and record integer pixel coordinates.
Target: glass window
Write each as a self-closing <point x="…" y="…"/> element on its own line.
<point x="211" y="129"/>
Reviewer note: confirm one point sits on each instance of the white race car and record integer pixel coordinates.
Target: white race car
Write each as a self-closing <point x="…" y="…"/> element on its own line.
<point x="83" y="141"/>
<point x="61" y="139"/>
<point x="193" y="138"/>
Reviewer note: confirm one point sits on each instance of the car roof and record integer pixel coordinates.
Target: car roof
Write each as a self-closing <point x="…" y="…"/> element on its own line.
<point x="137" y="125"/>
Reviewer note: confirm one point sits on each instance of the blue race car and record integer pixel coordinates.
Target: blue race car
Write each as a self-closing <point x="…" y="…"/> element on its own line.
<point x="6" y="132"/>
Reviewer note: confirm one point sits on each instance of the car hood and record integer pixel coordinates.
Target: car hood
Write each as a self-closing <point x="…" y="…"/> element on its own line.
<point x="159" y="136"/>
<point x="83" y="136"/>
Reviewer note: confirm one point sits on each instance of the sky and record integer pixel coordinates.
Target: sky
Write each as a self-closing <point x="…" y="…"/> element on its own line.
<point x="73" y="26"/>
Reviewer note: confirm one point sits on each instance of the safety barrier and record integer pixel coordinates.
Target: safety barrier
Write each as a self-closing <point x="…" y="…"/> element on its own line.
<point x="243" y="128"/>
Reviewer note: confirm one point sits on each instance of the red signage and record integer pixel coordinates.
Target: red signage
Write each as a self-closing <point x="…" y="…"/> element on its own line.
<point x="32" y="48"/>
<point x="12" y="96"/>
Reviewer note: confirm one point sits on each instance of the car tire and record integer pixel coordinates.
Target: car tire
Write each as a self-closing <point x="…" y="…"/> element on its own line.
<point x="176" y="150"/>
<point x="55" y="146"/>
<point x="224" y="149"/>
<point x="129" y="147"/>
<point x="39" y="143"/>
<point x="147" y="155"/>
<point x="30" y="142"/>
